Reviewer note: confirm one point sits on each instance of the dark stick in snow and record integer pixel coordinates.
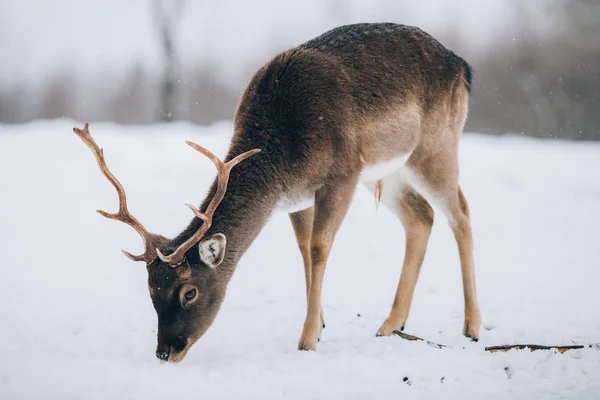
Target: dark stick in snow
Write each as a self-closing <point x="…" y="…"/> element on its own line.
<point x="504" y="348"/>
<point x="534" y="347"/>
<point x="412" y="338"/>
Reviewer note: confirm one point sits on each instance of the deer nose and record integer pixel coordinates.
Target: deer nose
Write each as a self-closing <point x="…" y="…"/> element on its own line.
<point x="163" y="354"/>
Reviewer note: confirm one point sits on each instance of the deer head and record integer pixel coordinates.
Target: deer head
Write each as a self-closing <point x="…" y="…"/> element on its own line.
<point x="183" y="279"/>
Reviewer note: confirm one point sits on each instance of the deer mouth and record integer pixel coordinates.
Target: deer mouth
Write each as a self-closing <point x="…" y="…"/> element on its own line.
<point x="173" y="353"/>
<point x="175" y="357"/>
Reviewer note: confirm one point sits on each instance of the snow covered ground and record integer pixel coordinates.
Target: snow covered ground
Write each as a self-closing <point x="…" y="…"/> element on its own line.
<point x="76" y="321"/>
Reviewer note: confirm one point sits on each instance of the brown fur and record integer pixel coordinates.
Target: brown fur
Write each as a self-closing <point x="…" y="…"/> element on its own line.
<point x="355" y="96"/>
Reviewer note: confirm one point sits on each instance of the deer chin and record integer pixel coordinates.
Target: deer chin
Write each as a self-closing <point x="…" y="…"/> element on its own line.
<point x="177" y="357"/>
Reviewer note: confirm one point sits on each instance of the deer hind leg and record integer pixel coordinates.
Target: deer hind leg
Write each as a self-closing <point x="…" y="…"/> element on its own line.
<point x="417" y="218"/>
<point x="461" y="227"/>
<point x="438" y="183"/>
<point x="302" y="222"/>
<point x="331" y="204"/>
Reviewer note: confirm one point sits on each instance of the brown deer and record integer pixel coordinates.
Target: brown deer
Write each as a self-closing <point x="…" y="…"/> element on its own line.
<point x="379" y="103"/>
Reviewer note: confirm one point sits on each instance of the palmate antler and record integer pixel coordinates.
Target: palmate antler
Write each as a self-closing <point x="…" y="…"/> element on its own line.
<point x="223" y="170"/>
<point x="150" y="239"/>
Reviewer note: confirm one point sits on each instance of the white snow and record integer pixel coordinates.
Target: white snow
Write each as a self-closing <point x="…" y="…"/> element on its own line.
<point x="76" y="321"/>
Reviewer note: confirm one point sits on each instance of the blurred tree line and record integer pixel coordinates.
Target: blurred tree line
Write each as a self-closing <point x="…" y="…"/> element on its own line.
<point x="543" y="82"/>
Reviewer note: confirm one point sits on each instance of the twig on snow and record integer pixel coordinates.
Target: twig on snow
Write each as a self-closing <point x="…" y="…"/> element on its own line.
<point x="506" y="347"/>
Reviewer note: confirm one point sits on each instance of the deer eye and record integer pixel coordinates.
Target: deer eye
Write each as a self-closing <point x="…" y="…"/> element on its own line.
<point x="190" y="294"/>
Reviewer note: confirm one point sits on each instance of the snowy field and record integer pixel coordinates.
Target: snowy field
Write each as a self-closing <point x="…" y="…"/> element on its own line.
<point x="76" y="321"/>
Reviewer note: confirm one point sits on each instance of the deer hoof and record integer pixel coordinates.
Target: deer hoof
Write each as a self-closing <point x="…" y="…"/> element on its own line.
<point x="307" y="346"/>
<point x="471" y="330"/>
<point x="308" y="340"/>
<point x="389" y="327"/>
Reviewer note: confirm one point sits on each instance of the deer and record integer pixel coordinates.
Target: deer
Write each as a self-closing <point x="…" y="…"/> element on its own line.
<point x="376" y="103"/>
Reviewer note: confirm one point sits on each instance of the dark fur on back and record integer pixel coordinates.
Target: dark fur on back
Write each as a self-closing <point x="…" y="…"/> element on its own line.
<point x="310" y="95"/>
<point x="468" y="75"/>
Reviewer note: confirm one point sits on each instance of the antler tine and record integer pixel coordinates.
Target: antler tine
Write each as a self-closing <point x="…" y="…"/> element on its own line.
<point x="218" y="163"/>
<point x="241" y="158"/>
<point x="123" y="214"/>
<point x="197" y="212"/>
<point x="223" y="170"/>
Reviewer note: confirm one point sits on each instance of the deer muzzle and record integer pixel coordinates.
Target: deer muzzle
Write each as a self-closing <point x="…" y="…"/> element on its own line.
<point x="173" y="351"/>
<point x="162" y="353"/>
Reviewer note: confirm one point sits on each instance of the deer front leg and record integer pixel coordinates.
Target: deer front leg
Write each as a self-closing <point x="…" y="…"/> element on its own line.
<point x="302" y="222"/>
<point x="331" y="204"/>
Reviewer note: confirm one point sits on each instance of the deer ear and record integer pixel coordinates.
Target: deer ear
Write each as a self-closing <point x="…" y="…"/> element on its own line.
<point x="212" y="250"/>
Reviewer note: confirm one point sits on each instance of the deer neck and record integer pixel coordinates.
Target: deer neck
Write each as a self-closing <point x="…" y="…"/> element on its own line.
<point x="248" y="203"/>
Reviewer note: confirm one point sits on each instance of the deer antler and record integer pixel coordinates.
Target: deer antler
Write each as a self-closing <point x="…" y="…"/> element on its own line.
<point x="223" y="170"/>
<point x="123" y="215"/>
